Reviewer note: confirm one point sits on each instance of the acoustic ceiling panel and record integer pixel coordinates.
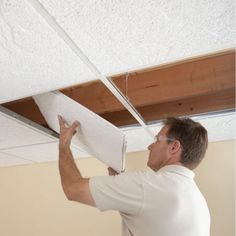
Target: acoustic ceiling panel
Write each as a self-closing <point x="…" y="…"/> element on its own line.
<point x="17" y="131"/>
<point x="11" y="160"/>
<point x="33" y="59"/>
<point x="119" y="36"/>
<point x="220" y="127"/>
<point x="42" y="153"/>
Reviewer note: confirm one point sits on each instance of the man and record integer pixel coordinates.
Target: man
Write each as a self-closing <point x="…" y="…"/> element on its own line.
<point x="163" y="201"/>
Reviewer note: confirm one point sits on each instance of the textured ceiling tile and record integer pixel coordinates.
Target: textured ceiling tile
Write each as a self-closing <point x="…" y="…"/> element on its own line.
<point x="42" y="153"/>
<point x="33" y="59"/>
<point x="121" y="35"/>
<point x="220" y="127"/>
<point x="10" y="160"/>
<point x="15" y="133"/>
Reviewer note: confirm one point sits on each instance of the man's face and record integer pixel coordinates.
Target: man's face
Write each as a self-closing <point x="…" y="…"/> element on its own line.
<point x="159" y="151"/>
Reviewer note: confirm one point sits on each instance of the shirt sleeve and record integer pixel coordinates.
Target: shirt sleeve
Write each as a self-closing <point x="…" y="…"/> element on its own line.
<point x="123" y="192"/>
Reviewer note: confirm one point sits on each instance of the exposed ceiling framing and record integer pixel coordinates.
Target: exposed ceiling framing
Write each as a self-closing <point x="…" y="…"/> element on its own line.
<point x="200" y="85"/>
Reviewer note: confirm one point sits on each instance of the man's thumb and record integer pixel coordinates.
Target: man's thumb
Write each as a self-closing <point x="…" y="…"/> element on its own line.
<point x="76" y="124"/>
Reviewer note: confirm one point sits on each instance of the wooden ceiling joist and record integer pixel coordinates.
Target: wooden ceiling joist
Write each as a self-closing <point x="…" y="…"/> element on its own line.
<point x="204" y="84"/>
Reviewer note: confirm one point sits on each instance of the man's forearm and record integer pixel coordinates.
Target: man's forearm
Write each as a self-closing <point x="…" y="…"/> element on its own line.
<point x="76" y="188"/>
<point x="69" y="172"/>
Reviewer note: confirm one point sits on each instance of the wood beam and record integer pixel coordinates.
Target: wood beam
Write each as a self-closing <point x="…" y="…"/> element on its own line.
<point x="158" y="85"/>
<point x="181" y="107"/>
<point x="188" y="87"/>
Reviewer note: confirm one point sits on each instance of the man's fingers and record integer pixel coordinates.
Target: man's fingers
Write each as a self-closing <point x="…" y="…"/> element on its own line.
<point x="61" y="121"/>
<point x="72" y="128"/>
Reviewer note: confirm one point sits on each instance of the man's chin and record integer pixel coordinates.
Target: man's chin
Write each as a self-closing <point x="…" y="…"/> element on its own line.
<point x="149" y="164"/>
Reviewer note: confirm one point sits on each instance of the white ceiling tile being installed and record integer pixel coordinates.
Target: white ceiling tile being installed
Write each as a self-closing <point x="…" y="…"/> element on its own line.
<point x="117" y="36"/>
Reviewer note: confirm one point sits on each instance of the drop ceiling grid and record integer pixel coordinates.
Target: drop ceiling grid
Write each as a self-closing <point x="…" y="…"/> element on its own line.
<point x="120" y="35"/>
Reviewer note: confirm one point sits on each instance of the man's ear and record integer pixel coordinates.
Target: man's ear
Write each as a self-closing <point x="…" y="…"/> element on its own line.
<point x="175" y="147"/>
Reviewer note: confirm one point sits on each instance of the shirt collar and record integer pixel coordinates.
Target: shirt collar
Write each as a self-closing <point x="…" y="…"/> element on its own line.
<point x="178" y="169"/>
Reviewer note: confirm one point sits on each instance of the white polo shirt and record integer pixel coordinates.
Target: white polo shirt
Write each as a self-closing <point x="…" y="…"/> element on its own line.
<point x="162" y="203"/>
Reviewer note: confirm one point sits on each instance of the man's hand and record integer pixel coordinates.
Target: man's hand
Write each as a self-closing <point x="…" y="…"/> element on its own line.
<point x="67" y="132"/>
